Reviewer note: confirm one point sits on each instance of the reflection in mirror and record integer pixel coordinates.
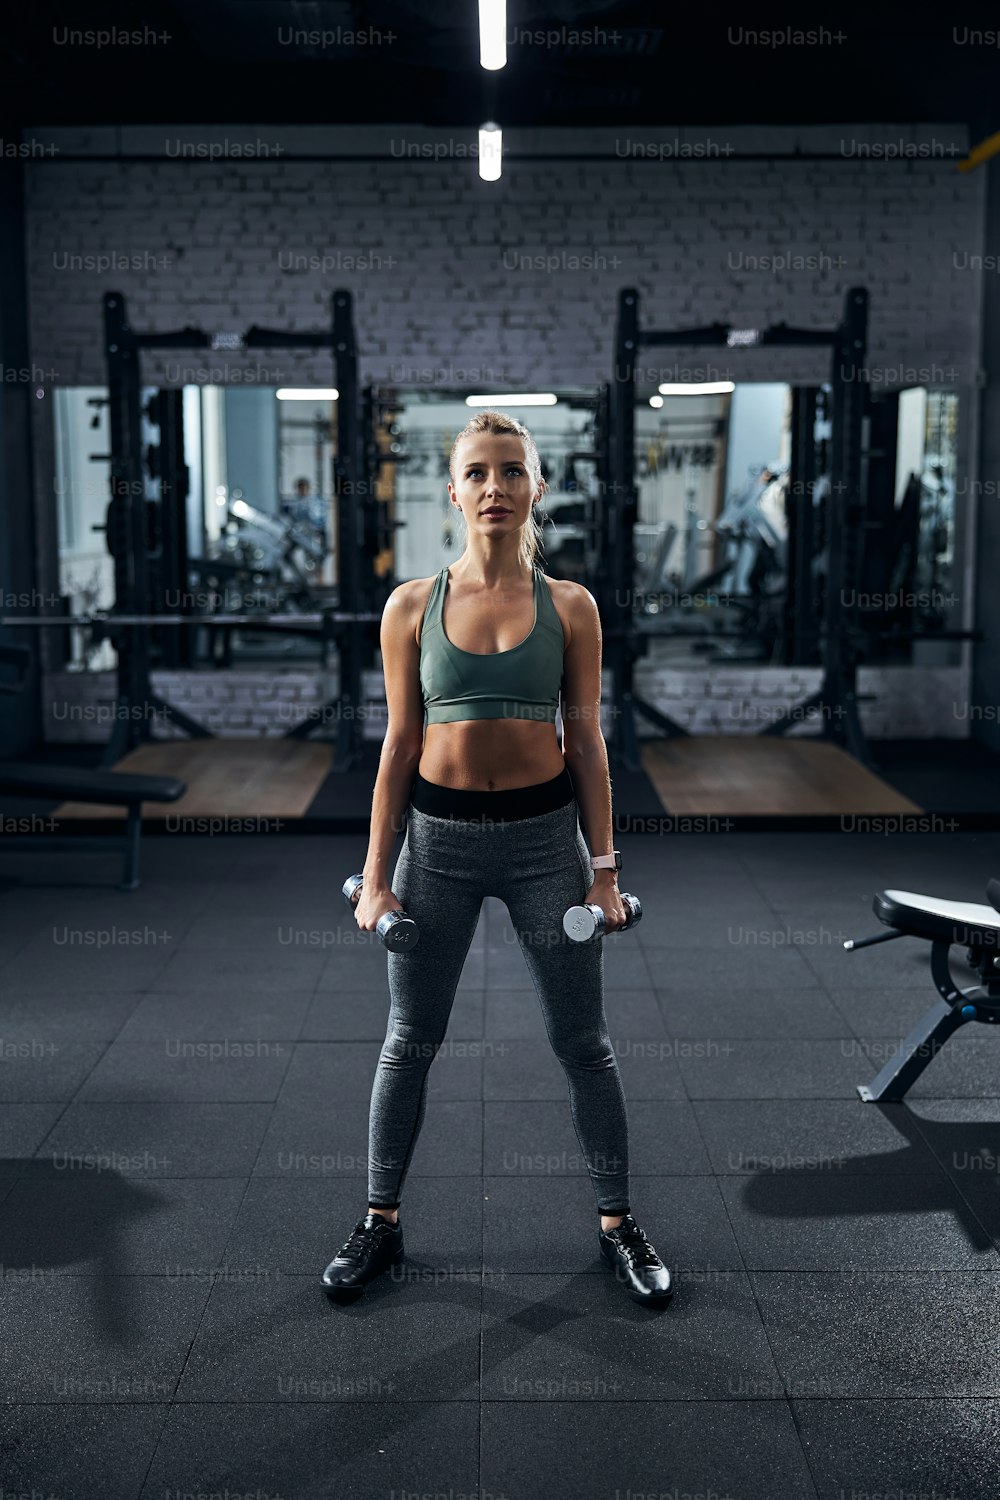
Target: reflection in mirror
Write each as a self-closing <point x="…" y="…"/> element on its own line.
<point x="730" y="540"/>
<point x="423" y="426"/>
<point x="732" y="535"/>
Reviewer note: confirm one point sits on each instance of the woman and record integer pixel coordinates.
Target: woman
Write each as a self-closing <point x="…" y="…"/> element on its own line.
<point x="485" y="647"/>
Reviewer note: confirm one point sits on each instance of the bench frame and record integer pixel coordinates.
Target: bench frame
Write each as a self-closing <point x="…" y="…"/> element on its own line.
<point x="955" y="1008"/>
<point x="127" y="844"/>
<point x="104" y="788"/>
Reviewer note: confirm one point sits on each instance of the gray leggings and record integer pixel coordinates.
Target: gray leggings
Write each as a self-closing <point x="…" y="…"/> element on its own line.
<point x="538" y="866"/>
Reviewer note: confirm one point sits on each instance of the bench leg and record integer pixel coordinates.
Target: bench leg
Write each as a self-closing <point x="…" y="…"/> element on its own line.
<point x="923" y="1043"/>
<point x="133" y="833"/>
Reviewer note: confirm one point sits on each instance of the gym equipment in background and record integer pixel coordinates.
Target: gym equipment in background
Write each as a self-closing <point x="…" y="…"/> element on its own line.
<point x="751" y="581"/>
<point x="147" y="538"/>
<point x="837" y="696"/>
<point x="80" y="784"/>
<point x="843" y="531"/>
<point x="285" y="555"/>
<point x="942" y="923"/>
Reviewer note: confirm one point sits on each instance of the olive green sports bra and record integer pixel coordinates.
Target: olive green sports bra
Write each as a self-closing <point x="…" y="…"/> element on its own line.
<point x="522" y="683"/>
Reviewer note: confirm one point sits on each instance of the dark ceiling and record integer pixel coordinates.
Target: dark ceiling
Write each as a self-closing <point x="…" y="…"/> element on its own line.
<point x="216" y="61"/>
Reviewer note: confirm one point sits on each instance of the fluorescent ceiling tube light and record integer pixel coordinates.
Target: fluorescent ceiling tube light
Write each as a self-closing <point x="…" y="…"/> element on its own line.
<point x="704" y="388"/>
<point x="541" y="399"/>
<point x="490" y="151"/>
<point x="317" y="393"/>
<point x="493" y="34"/>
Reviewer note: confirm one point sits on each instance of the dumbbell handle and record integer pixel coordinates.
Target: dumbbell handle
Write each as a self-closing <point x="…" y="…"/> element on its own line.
<point x="396" y="930"/>
<point x="584" y="924"/>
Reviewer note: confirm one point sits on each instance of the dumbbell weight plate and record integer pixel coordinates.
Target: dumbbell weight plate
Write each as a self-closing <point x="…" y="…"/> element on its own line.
<point x="396" y="930"/>
<point x="584" y="924"/>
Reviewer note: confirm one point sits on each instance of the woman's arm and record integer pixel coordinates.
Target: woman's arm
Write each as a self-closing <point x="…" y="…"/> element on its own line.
<point x="403" y="742"/>
<point x="584" y="747"/>
<point x="389" y="800"/>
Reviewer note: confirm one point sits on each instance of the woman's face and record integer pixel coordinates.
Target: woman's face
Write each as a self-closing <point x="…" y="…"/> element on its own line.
<point x="491" y="472"/>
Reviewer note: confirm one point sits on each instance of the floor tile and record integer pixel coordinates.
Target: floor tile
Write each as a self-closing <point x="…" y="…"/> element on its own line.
<point x="148" y="1138"/>
<point x="593" y="1449"/>
<point x="820" y="1222"/>
<point x="104" y="1339"/>
<point x="284" y="1339"/>
<point x="225" y="1071"/>
<point x="80" y="1451"/>
<point x="888" y="1334"/>
<point x="314" y="1449"/>
<point x="581" y="1338"/>
<point x="901" y="1447"/>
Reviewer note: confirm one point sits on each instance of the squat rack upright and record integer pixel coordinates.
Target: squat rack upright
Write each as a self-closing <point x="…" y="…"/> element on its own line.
<point x="128" y="520"/>
<point x="836" y="697"/>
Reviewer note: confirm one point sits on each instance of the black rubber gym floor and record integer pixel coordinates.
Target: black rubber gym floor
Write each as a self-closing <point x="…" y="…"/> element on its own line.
<point x="184" y="1085"/>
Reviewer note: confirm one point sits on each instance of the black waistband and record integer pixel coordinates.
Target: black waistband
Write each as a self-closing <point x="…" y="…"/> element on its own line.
<point x="512" y="803"/>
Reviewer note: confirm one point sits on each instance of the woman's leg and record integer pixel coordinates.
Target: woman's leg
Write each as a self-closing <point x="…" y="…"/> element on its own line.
<point x="547" y="870"/>
<point x="441" y="891"/>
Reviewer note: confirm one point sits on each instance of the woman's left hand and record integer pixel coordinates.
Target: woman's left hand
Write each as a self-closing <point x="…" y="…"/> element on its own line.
<point x="605" y="893"/>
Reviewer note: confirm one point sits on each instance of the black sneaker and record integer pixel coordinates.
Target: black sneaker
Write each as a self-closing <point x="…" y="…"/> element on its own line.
<point x="371" y="1248"/>
<point x="635" y="1262"/>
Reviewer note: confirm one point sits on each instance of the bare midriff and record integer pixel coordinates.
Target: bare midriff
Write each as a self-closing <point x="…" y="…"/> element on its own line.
<point x="489" y="755"/>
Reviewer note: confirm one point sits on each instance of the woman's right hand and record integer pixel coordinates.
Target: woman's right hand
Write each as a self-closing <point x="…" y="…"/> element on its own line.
<point x="371" y="904"/>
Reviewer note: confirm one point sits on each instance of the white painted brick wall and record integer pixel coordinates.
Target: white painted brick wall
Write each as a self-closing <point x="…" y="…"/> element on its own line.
<point x="893" y="702"/>
<point x="904" y="702"/>
<point x="675" y="226"/>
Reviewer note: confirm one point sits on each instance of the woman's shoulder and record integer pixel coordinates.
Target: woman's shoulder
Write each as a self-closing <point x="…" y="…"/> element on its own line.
<point x="575" y="606"/>
<point x="413" y="596"/>
<point x="407" y="594"/>
<point x="575" y="595"/>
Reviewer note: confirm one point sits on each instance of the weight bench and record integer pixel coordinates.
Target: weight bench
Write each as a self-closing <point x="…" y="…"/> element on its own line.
<point x="70" y="784"/>
<point x="942" y="923"/>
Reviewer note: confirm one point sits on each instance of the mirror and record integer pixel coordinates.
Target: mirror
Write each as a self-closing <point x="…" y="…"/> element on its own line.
<point x="730" y="536"/>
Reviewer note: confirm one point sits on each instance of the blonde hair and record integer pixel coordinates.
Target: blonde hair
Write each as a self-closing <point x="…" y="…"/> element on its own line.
<point x="498" y="423"/>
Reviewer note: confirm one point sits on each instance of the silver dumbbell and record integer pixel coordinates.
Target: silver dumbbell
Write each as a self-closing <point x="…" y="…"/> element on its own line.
<point x="396" y="930"/>
<point x="584" y="924"/>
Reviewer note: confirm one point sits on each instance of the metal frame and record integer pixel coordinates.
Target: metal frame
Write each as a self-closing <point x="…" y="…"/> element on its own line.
<point x="954" y="1009"/>
<point x="800" y="513"/>
<point x="348" y="626"/>
<point x="135" y="698"/>
<point x="836" y="697"/>
<point x="171" y="470"/>
<point x="126" y="844"/>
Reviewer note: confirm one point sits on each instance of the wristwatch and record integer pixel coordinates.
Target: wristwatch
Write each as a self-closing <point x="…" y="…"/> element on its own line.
<point x="612" y="861"/>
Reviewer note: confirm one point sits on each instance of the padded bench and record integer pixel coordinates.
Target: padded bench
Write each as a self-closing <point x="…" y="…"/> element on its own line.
<point x="942" y="923"/>
<point x="73" y="784"/>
